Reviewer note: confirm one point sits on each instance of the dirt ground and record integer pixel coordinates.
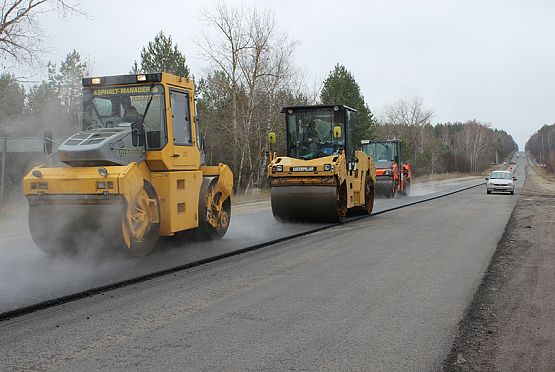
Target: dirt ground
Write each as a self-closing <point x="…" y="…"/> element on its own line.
<point x="510" y="325"/>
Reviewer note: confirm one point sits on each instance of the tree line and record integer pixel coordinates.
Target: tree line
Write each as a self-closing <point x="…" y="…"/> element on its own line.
<point x="542" y="146"/>
<point x="470" y="146"/>
<point x="54" y="104"/>
<point x="249" y="76"/>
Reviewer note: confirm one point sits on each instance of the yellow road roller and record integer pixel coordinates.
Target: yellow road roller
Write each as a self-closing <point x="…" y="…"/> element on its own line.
<point x="323" y="175"/>
<point x="135" y="172"/>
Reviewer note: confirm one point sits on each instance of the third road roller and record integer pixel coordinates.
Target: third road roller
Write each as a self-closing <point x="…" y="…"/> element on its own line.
<point x="322" y="175"/>
<point x="393" y="176"/>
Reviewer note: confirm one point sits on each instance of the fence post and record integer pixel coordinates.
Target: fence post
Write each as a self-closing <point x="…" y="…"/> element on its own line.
<point x="3" y="172"/>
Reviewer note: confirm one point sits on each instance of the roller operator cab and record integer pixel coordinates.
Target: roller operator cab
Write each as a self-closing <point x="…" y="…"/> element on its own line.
<point x="322" y="175"/>
<point x="133" y="173"/>
<point x="392" y="175"/>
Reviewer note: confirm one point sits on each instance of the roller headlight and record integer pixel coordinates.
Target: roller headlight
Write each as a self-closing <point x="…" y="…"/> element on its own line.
<point x="39" y="185"/>
<point x="279" y="168"/>
<point x="103" y="172"/>
<point x="104" y="185"/>
<point x="36" y="173"/>
<point x="327" y="167"/>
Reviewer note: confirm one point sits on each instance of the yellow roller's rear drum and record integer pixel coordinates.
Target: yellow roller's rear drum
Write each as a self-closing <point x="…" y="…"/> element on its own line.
<point x="214" y="210"/>
<point x="369" y="193"/>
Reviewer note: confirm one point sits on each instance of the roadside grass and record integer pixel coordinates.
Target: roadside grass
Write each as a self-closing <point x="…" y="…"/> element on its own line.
<point x="449" y="175"/>
<point x="444" y="176"/>
<point x="253" y="196"/>
<point x="543" y="173"/>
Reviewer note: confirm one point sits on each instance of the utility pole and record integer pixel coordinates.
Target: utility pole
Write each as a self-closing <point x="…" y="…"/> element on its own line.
<point x="541" y="152"/>
<point x="3" y="171"/>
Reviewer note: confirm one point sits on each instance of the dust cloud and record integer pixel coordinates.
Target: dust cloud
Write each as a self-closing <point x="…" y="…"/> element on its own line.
<point x="28" y="275"/>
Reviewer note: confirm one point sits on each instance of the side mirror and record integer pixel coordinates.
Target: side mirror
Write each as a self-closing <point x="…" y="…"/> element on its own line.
<point x="47" y="142"/>
<point x="337" y="132"/>
<point x="514" y="178"/>
<point x="272" y="138"/>
<point x="137" y="134"/>
<point x="487" y="178"/>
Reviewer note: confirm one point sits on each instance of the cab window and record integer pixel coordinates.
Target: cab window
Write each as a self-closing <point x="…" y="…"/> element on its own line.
<point x="112" y="107"/>
<point x="181" y="118"/>
<point x="350" y="119"/>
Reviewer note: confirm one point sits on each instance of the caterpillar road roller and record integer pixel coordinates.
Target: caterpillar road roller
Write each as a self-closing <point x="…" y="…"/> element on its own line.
<point x="392" y="175"/>
<point x="135" y="172"/>
<point x="323" y="175"/>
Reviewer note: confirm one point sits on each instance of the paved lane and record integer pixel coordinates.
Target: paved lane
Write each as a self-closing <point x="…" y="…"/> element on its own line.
<point x="27" y="276"/>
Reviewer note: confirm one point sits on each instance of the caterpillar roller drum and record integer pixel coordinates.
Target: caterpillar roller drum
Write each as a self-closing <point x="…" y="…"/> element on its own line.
<point x="322" y="176"/>
<point x="134" y="173"/>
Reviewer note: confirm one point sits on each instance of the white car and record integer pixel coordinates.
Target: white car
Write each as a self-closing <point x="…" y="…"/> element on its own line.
<point x="500" y="181"/>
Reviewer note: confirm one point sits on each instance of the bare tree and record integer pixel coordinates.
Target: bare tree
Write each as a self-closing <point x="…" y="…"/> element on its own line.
<point x="21" y="38"/>
<point x="475" y="140"/>
<point x="409" y="112"/>
<point x="408" y="118"/>
<point x="256" y="61"/>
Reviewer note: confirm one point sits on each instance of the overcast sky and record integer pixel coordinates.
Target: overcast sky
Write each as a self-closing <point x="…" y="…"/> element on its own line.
<point x="488" y="60"/>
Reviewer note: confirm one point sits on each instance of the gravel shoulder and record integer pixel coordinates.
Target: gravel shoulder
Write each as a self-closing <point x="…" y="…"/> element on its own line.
<point x="510" y="324"/>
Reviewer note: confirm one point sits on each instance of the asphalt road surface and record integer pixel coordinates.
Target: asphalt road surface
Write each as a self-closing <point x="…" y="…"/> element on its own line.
<point x="27" y="276"/>
<point x="382" y="293"/>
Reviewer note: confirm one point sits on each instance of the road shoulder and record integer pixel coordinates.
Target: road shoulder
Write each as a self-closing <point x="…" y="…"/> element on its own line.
<point x="509" y="324"/>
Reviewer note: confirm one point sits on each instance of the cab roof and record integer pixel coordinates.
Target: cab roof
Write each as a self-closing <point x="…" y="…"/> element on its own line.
<point x="310" y="107"/>
<point x="156" y="77"/>
<point x="393" y="140"/>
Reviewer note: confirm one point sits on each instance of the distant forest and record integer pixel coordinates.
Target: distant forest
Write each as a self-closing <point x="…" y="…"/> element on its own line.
<point x="542" y="146"/>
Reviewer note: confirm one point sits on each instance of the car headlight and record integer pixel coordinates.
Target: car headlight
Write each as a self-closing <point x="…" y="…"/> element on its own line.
<point x="388" y="172"/>
<point x="327" y="167"/>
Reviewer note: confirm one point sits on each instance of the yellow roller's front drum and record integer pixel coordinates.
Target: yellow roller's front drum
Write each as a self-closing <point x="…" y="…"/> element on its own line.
<point x="75" y="228"/>
<point x="140" y="222"/>
<point x="308" y="203"/>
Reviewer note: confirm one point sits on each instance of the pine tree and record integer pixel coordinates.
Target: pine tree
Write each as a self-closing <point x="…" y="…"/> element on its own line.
<point x="12" y="97"/>
<point x="161" y="55"/>
<point x="66" y="83"/>
<point x="40" y="97"/>
<point x="340" y="88"/>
